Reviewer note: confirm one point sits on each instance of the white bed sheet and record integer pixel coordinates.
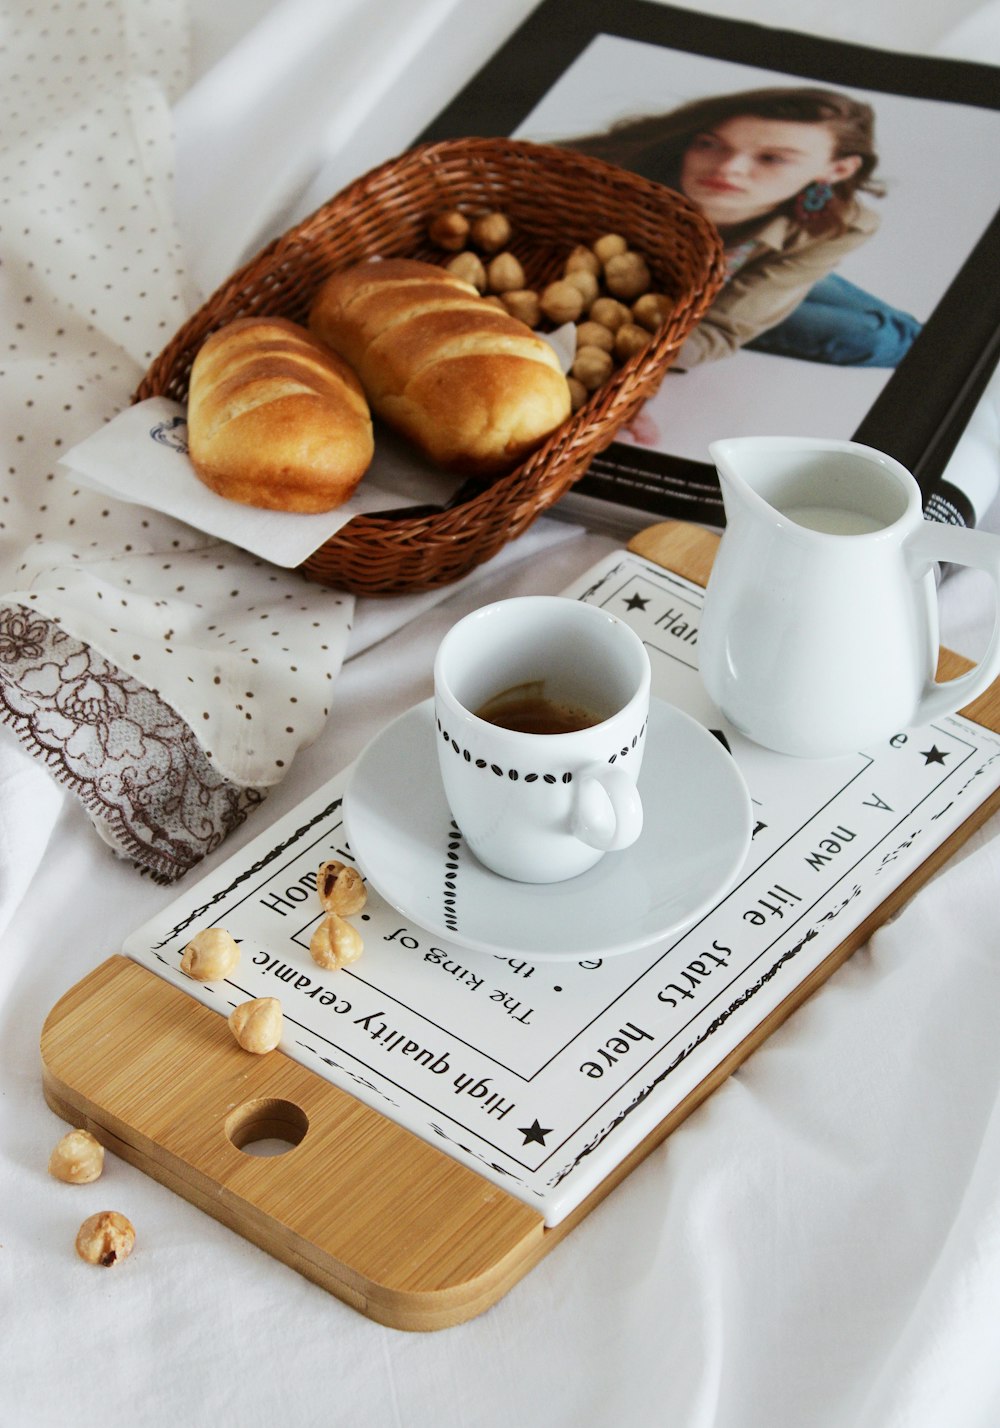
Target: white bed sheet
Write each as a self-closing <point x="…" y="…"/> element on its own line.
<point x="818" y="1245"/>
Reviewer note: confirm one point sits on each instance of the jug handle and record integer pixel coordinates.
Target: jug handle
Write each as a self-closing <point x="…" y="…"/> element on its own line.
<point x="957" y="545"/>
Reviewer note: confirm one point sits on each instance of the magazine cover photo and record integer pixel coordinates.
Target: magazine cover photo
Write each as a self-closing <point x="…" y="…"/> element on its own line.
<point x="844" y="216"/>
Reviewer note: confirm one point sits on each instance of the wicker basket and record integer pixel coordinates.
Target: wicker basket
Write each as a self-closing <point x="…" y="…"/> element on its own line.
<point x="555" y="198"/>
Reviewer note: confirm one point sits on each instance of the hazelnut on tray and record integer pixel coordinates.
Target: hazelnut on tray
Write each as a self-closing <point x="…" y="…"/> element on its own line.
<point x="211" y="955"/>
<point x="257" y="1024"/>
<point x="335" y="943"/>
<point x="341" y="888"/>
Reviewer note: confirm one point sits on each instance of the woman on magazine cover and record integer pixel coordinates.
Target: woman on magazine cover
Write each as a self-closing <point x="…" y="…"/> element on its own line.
<point x="779" y="172"/>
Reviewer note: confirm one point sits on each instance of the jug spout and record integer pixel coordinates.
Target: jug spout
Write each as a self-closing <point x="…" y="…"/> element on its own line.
<point x="838" y="487"/>
<point x="732" y="457"/>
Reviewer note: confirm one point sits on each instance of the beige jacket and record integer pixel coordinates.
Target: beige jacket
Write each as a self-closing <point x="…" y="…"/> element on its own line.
<point x="783" y="264"/>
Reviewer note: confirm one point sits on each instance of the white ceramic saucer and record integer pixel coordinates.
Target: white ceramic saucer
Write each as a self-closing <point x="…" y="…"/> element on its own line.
<point x="697" y="828"/>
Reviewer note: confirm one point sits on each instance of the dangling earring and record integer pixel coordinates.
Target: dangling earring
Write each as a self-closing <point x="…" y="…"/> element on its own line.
<point x="812" y="200"/>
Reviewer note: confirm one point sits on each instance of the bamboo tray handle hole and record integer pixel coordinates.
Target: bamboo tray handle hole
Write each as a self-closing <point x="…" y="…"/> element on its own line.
<point x="267" y="1127"/>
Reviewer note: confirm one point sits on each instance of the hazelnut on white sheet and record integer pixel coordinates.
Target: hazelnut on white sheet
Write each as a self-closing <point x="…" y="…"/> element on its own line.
<point x="77" y="1159"/>
<point x="105" y="1238"/>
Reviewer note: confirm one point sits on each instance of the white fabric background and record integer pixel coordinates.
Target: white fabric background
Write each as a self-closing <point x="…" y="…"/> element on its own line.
<point x="818" y="1245"/>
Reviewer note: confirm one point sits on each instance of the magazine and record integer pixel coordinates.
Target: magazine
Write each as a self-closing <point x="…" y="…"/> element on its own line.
<point x="582" y="73"/>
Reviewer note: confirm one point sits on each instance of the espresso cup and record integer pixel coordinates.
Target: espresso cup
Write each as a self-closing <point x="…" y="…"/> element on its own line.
<point x="541" y="705"/>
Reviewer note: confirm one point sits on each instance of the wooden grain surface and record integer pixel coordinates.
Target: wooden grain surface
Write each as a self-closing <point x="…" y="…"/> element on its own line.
<point x="372" y="1213"/>
<point x="361" y="1206"/>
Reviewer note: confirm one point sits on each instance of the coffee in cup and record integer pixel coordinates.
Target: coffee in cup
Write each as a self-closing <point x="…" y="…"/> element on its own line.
<point x="528" y="709"/>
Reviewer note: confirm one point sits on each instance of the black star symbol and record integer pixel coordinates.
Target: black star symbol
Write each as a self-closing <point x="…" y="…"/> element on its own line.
<point x="637" y="602"/>
<point x="535" y="1133"/>
<point x="933" y="755"/>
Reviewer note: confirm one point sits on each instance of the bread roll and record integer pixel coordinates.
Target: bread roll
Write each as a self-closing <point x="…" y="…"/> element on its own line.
<point x="470" y="385"/>
<point x="276" y="420"/>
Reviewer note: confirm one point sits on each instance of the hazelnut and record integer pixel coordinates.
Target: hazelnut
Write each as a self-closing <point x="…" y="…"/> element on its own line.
<point x="578" y="393"/>
<point x="592" y="366"/>
<point x="626" y="275"/>
<point x="609" y="312"/>
<point x="562" y="301"/>
<point x="341" y="888"/>
<point x="587" y="284"/>
<point x="504" y="274"/>
<point x="609" y="246"/>
<point x="523" y="304"/>
<point x="595" y="334"/>
<point x="652" y="310"/>
<point x="257" y="1024"/>
<point x="449" y="230"/>
<point x="469" y="268"/>
<point x="582" y="260"/>
<point x="335" y="943"/>
<point x="77" y="1159"/>
<point x="105" y="1238"/>
<point x="491" y="232"/>
<point x="496" y="300"/>
<point x="210" y="955"/>
<point x="630" y="339"/>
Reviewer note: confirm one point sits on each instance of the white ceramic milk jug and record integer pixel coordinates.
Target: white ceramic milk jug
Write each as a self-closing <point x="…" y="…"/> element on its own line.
<point x="820" y="629"/>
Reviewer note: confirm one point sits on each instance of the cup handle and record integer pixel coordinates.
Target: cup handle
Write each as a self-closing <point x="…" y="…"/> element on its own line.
<point x="607" y="812"/>
<point x="957" y="545"/>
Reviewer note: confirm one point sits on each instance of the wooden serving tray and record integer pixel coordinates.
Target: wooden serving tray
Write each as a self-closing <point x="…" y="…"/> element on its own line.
<point x="372" y="1213"/>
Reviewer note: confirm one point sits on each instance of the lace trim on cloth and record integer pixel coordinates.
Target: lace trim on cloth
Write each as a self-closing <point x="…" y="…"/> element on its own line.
<point x="135" y="765"/>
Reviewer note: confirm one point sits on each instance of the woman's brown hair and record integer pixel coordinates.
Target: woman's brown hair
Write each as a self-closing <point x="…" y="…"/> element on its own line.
<point x="654" y="145"/>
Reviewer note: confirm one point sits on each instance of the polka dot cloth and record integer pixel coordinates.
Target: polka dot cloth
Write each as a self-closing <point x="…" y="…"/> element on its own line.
<point x="150" y="667"/>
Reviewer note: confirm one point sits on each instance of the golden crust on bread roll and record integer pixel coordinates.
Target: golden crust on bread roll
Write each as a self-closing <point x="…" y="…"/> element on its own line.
<point x="275" y="419"/>
<point x="471" y="386"/>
